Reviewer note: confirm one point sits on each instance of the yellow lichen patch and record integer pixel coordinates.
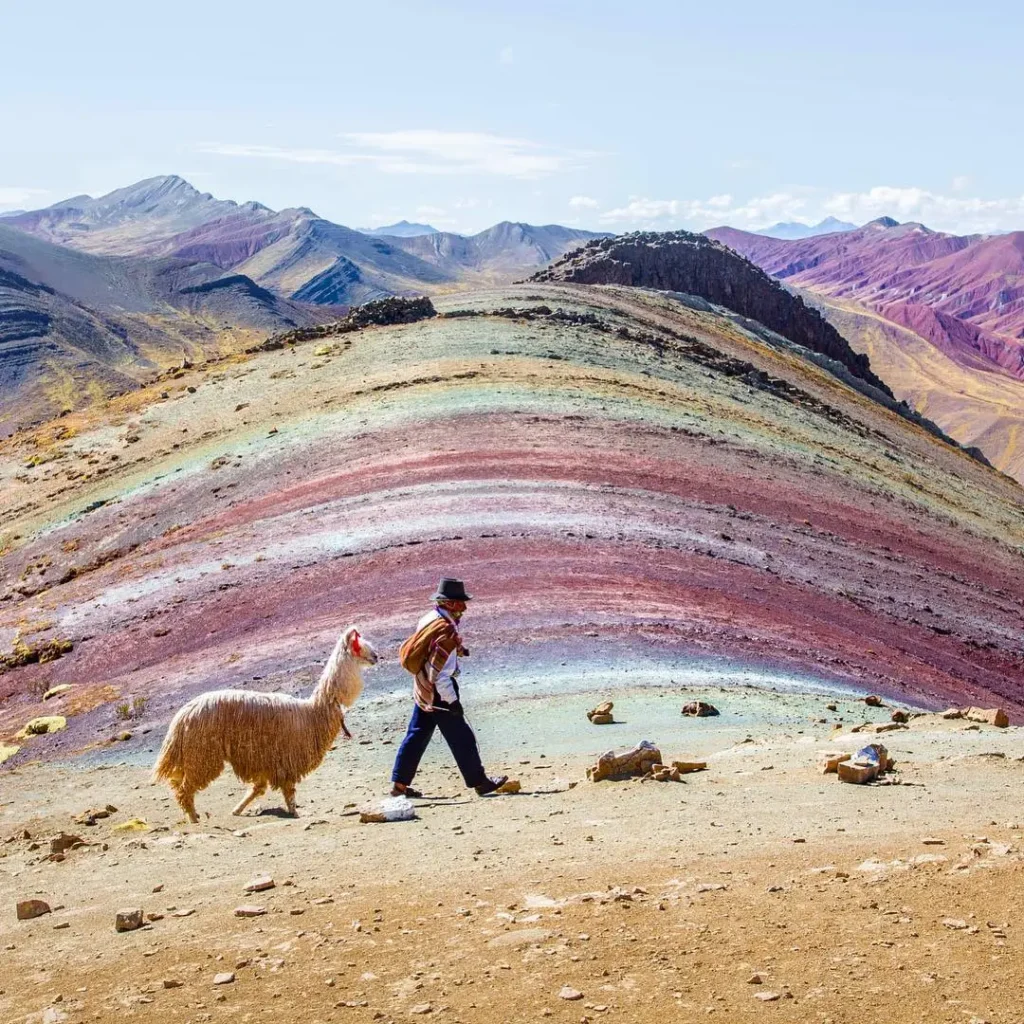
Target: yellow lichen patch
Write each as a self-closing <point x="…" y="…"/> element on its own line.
<point x="7" y="752"/>
<point x="131" y="825"/>
<point x="56" y="691"/>
<point x="43" y="725"/>
<point x="85" y="699"/>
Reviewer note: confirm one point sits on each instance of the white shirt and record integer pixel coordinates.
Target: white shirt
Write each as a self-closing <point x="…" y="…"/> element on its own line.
<point x="445" y="681"/>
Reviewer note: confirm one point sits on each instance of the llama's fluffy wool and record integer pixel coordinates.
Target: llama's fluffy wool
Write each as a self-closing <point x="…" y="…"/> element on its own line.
<point x="269" y="739"/>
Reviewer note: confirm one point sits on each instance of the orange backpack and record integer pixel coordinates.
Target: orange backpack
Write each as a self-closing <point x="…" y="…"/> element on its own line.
<point x="413" y="654"/>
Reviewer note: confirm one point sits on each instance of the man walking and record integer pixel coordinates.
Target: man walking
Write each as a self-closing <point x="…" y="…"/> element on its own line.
<point x="431" y="654"/>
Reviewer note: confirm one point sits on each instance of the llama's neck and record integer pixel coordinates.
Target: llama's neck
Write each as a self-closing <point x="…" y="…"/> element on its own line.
<point x="341" y="680"/>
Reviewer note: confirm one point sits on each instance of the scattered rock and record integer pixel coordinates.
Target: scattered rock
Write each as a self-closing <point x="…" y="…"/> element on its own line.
<point x="510" y="786"/>
<point x="867" y="764"/>
<point x="65" y="841"/>
<point x="260" y="883"/>
<point x="128" y="920"/>
<point x="950" y="713"/>
<point x="250" y="910"/>
<point x="420" y="1008"/>
<point x="224" y="978"/>
<point x="171" y="983"/>
<point x="755" y="979"/>
<point x="833" y="761"/>
<point x="957" y="924"/>
<point x="638" y="760"/>
<point x="569" y="994"/>
<point x="900" y="716"/>
<point x="686" y="767"/>
<point x="700" y="709"/>
<point x="29" y="909"/>
<point x="767" y="997"/>
<point x="932" y="841"/>
<point x="987" y="716"/>
<point x="873" y="700"/>
<point x="602" y="714"/>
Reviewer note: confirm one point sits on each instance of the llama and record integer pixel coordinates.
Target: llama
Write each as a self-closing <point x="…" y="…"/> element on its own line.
<point x="269" y="739"/>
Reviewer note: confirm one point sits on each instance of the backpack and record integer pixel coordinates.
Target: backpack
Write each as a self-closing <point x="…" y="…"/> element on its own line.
<point x="413" y="654"/>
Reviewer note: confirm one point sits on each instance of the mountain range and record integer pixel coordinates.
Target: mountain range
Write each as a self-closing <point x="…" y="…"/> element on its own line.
<point x="97" y="294"/>
<point x="795" y="229"/>
<point x="889" y="287"/>
<point x="293" y="252"/>
<point x="401" y="229"/>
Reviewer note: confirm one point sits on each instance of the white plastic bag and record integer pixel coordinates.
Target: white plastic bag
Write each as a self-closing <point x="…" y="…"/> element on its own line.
<point x="391" y="808"/>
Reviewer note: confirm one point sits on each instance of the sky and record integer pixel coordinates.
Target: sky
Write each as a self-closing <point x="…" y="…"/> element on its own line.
<point x="612" y="116"/>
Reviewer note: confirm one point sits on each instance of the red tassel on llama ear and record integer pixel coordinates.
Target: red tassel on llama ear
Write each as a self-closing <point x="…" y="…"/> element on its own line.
<point x="354" y="644"/>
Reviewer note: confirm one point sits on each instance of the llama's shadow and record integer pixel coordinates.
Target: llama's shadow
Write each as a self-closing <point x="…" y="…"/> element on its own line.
<point x="275" y="812"/>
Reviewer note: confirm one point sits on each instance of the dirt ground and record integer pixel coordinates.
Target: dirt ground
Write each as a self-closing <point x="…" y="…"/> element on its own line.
<point x="758" y="889"/>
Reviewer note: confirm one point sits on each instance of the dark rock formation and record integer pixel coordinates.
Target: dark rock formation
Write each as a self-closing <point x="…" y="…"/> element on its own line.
<point x="679" y="261"/>
<point x="379" y="313"/>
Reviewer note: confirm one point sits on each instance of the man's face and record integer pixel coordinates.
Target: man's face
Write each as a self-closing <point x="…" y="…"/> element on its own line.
<point x="454" y="608"/>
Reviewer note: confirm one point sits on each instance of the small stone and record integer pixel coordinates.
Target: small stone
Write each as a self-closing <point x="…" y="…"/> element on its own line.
<point x="128" y="920"/>
<point x="767" y="997"/>
<point x="420" y="1008"/>
<point x="64" y="841"/>
<point x="225" y="978"/>
<point x="171" y="983"/>
<point x="249" y="910"/>
<point x="700" y="709"/>
<point x="510" y="786"/>
<point x="957" y="924"/>
<point x="28" y="909"/>
<point x="900" y="716"/>
<point x="570" y="994"/>
<point x="932" y="841"/>
<point x="755" y="979"/>
<point x="873" y="700"/>
<point x="260" y="883"/>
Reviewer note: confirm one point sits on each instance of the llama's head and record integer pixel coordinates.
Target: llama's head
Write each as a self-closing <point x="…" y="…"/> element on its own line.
<point x="359" y="647"/>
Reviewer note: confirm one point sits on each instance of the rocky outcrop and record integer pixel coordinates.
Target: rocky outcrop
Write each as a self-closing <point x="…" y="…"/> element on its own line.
<point x="679" y="261"/>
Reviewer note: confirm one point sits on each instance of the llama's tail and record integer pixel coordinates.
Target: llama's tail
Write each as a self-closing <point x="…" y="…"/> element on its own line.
<point x="170" y="764"/>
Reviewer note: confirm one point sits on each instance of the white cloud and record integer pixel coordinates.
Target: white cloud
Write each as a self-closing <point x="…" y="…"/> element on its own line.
<point x="12" y="195"/>
<point x="423" y="151"/>
<point x="583" y="203"/>
<point x="958" y="214"/>
<point x="960" y="182"/>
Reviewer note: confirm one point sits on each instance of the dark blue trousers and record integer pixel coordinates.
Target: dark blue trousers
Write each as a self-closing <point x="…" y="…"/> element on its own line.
<point x="458" y="735"/>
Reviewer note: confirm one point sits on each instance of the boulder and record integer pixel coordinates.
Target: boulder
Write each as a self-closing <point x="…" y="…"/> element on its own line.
<point x="866" y="765"/>
<point x="899" y="716"/>
<point x="601" y="719"/>
<point x="602" y="714"/>
<point x="29" y="909"/>
<point x="700" y="709"/>
<point x="987" y="716"/>
<point x="951" y="713"/>
<point x="873" y="700"/>
<point x="128" y="920"/>
<point x="638" y="760"/>
<point x="833" y="761"/>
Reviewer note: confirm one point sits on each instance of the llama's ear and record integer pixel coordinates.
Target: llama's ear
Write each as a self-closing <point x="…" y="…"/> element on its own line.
<point x="353" y="642"/>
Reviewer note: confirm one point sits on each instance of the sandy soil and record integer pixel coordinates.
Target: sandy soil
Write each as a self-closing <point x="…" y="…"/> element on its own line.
<point x="653" y="900"/>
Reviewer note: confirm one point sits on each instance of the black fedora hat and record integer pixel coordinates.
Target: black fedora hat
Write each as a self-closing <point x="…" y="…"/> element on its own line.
<point x="452" y="590"/>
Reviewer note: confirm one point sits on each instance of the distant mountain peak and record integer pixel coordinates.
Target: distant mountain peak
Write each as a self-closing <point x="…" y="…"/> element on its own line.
<point x="797" y="229"/>
<point x="401" y="229"/>
<point x="883" y="222"/>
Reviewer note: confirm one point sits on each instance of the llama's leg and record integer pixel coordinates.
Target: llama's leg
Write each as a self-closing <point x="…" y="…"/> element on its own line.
<point x="257" y="790"/>
<point x="288" y="792"/>
<point x="186" y="797"/>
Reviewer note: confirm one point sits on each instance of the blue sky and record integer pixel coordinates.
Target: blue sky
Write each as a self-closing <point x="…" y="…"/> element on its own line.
<point x="611" y="116"/>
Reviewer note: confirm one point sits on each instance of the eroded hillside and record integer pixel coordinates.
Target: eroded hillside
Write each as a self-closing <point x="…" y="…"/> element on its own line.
<point x="622" y="480"/>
